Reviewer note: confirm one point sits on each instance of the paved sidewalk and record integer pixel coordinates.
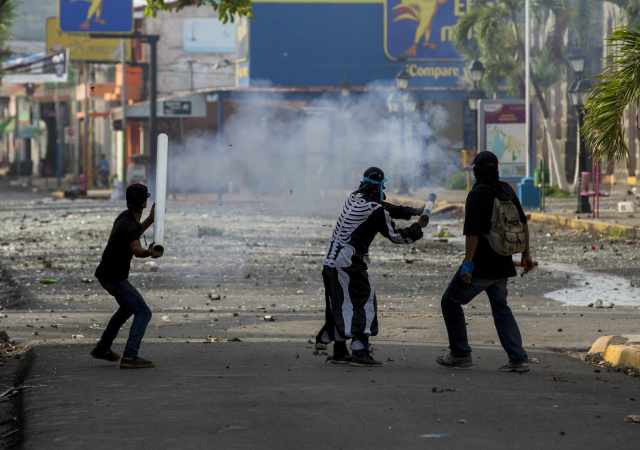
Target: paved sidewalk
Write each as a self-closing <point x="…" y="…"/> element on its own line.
<point x="279" y="396"/>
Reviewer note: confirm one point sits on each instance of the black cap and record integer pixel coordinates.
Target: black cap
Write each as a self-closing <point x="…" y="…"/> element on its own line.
<point x="485" y="158"/>
<point x="374" y="174"/>
<point x="137" y="194"/>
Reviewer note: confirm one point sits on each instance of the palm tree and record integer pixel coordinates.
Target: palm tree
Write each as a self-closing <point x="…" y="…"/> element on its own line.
<point x="493" y="31"/>
<point x="618" y="89"/>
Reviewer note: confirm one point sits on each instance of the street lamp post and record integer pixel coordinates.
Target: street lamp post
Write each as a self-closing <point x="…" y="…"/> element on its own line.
<point x="578" y="95"/>
<point x="476" y="73"/>
<point x="401" y="102"/>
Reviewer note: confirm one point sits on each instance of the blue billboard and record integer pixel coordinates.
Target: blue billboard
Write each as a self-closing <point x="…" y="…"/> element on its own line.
<point x="96" y="16"/>
<point x="356" y="42"/>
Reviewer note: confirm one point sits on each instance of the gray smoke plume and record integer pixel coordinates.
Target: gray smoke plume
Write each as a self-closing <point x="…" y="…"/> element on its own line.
<point x="269" y="148"/>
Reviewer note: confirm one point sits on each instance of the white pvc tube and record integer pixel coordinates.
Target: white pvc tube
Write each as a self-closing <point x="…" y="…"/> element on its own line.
<point x="161" y="190"/>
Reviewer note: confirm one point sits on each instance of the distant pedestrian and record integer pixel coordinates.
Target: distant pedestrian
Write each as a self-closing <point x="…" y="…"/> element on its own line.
<point x="351" y="304"/>
<point x="113" y="273"/>
<point x="103" y="171"/>
<point x="496" y="228"/>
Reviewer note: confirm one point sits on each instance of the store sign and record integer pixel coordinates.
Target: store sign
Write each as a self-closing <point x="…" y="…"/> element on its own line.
<point x="503" y="132"/>
<point x="422" y="30"/>
<point x="82" y="47"/>
<point x="96" y="16"/>
<point x="176" y="108"/>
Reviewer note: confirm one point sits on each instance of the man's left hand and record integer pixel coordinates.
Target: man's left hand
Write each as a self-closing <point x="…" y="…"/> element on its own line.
<point x="152" y="214"/>
<point x="528" y="264"/>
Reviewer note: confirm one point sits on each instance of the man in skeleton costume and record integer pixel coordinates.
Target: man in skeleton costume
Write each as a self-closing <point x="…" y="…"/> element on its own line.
<point x="351" y="306"/>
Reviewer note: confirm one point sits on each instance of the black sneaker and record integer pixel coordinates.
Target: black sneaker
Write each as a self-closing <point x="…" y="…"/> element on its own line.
<point x="108" y="355"/>
<point x="363" y="358"/>
<point x="340" y="354"/>
<point x="135" y="363"/>
<point x="320" y="344"/>
<point x="458" y="362"/>
<point x="515" y="366"/>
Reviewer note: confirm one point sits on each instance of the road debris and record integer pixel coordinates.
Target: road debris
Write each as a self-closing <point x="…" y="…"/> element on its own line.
<point x="213" y="295"/>
<point x="440" y="390"/>
<point x="220" y="339"/>
<point x="434" y="435"/>
<point x="632" y="418"/>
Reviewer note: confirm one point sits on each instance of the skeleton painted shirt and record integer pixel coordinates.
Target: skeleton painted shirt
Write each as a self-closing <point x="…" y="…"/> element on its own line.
<point x="359" y="222"/>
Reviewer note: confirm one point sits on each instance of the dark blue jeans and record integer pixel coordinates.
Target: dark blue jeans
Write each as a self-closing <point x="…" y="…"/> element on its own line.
<point x="459" y="293"/>
<point x="131" y="304"/>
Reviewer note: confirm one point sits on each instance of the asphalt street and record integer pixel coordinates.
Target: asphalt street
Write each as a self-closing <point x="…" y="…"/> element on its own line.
<point x="278" y="395"/>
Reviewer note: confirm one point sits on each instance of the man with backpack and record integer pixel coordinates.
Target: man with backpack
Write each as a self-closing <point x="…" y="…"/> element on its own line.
<point x="496" y="228"/>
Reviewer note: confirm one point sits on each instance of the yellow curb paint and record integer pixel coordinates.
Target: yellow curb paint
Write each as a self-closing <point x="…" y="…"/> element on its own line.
<point x="613" y="354"/>
<point x="627" y="356"/>
<point x="603" y="342"/>
<point x="594" y="226"/>
<point x="630" y="357"/>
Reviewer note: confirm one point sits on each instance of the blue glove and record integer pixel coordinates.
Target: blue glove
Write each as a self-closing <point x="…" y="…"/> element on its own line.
<point x="466" y="271"/>
<point x="467" y="268"/>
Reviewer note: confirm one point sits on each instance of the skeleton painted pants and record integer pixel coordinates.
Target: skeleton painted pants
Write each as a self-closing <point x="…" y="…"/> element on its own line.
<point x="351" y="306"/>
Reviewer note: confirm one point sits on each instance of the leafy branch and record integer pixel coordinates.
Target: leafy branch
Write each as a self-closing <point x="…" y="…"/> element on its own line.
<point x="228" y="10"/>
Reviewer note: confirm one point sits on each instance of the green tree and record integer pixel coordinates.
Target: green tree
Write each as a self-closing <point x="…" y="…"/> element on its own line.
<point x="6" y="19"/>
<point x="493" y="31"/>
<point x="619" y="88"/>
<point x="227" y="10"/>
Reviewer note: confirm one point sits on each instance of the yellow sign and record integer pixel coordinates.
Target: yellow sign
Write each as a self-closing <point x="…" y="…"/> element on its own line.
<point x="82" y="47"/>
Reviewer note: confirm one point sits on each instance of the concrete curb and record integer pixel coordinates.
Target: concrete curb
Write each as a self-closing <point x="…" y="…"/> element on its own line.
<point x="618" y="351"/>
<point x="594" y="226"/>
<point x="13" y="431"/>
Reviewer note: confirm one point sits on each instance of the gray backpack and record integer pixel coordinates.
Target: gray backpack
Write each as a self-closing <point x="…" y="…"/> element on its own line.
<point x="507" y="235"/>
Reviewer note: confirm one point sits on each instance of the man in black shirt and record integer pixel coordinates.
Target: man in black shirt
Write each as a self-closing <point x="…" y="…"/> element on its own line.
<point x="350" y="300"/>
<point x="484" y="270"/>
<point x="113" y="273"/>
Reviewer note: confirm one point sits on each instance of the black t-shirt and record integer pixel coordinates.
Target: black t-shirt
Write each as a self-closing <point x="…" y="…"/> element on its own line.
<point x="116" y="258"/>
<point x="477" y="222"/>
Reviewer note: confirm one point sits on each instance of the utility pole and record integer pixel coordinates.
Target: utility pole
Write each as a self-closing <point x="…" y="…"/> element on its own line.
<point x="123" y="101"/>
<point x="527" y="89"/>
<point x="59" y="136"/>
<point x="86" y="129"/>
<point x="152" y="40"/>
<point x="29" y="90"/>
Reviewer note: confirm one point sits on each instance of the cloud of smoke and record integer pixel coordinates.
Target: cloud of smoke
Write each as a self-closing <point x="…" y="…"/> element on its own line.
<point x="268" y="148"/>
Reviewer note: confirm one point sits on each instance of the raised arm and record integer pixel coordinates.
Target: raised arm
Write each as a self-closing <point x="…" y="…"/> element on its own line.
<point x="388" y="229"/>
<point x="149" y="220"/>
<point x="401" y="212"/>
